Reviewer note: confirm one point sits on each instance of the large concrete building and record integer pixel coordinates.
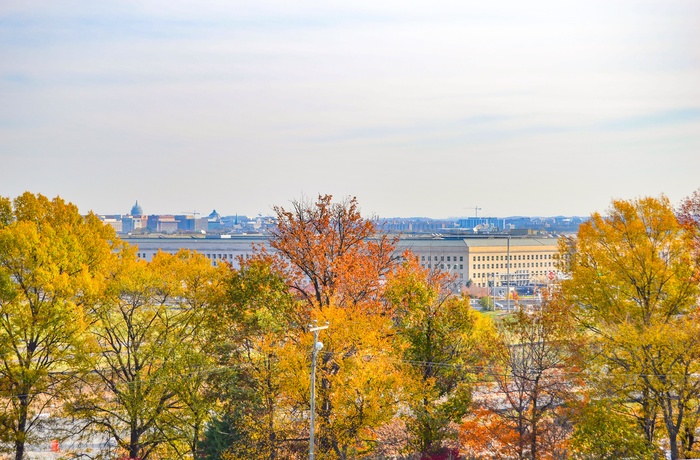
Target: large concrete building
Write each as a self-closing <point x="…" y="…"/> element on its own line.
<point x="215" y="249"/>
<point x="486" y="261"/>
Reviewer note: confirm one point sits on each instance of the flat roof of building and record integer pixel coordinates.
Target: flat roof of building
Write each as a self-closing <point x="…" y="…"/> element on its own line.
<point x="491" y="242"/>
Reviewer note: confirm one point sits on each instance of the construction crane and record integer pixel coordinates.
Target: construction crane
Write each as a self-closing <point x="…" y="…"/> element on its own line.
<point x="476" y="211"/>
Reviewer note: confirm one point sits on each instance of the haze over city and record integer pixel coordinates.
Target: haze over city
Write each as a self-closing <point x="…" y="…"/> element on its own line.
<point x="416" y="108"/>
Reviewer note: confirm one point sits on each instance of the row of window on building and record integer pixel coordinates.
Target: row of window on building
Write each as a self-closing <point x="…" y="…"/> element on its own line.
<point x="443" y="266"/>
<point x="520" y="279"/>
<point x="442" y="258"/>
<point x="513" y="257"/>
<point x="492" y="258"/>
<point x="513" y="265"/>
<point x="213" y="256"/>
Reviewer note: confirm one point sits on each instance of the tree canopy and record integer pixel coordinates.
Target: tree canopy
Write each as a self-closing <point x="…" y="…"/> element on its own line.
<point x="53" y="264"/>
<point x="178" y="358"/>
<point x="633" y="280"/>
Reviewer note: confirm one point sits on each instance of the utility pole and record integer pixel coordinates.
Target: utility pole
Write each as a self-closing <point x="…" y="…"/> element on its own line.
<point x="508" y="275"/>
<point x="318" y="346"/>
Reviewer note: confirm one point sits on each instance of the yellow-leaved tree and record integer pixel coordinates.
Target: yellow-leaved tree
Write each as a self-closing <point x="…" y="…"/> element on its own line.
<point x="53" y="264"/>
<point x="437" y="332"/>
<point x="252" y="332"/>
<point x="632" y="278"/>
<point x="149" y="370"/>
<point x="360" y="380"/>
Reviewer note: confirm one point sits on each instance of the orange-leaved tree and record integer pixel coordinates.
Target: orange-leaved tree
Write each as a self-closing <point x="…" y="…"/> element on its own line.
<point x="360" y="380"/>
<point x="335" y="260"/>
<point x="485" y="434"/>
<point x="329" y="251"/>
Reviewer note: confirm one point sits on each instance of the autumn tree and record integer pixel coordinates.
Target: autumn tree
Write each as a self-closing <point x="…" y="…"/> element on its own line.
<point x="334" y="261"/>
<point x="252" y="331"/>
<point x="438" y="330"/>
<point x="688" y="214"/>
<point x="52" y="266"/>
<point x="601" y="433"/>
<point x="196" y="289"/>
<point x="632" y="279"/>
<point x="143" y="391"/>
<point x="262" y="339"/>
<point x="533" y="389"/>
<point x="6" y="213"/>
<point x="360" y="380"/>
<point x="329" y="251"/>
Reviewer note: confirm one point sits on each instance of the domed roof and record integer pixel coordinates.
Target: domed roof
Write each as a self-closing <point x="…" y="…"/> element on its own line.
<point x="214" y="215"/>
<point x="136" y="209"/>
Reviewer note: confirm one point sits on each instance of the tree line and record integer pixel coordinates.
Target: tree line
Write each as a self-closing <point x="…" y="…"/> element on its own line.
<point x="176" y="358"/>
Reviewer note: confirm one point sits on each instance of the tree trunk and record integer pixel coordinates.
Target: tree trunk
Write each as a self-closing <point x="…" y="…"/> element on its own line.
<point x="272" y="435"/>
<point x="19" y="449"/>
<point x="673" y="424"/>
<point x="21" y="426"/>
<point x="649" y="416"/>
<point x="195" y="440"/>
<point x="521" y="436"/>
<point x="673" y="442"/>
<point x="134" y="444"/>
<point x="534" y="420"/>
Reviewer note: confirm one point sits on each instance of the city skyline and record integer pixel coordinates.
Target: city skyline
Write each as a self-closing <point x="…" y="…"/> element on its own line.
<point x="537" y="109"/>
<point x="205" y="214"/>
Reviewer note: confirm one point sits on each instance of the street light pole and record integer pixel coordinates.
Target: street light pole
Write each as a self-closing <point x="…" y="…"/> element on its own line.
<point x="314" y="352"/>
<point x="508" y="276"/>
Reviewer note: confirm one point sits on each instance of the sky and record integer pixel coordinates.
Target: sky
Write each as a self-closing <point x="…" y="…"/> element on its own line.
<point x="416" y="108"/>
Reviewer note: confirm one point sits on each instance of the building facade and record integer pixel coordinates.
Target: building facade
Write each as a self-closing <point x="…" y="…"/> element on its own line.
<point x="486" y="261"/>
<point x="215" y="249"/>
<point x="489" y="261"/>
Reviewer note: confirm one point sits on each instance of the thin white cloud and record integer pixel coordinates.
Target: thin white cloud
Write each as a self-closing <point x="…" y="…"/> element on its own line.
<point x="537" y="107"/>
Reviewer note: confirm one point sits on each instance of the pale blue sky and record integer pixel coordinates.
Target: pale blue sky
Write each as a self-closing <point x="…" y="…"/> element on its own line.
<point x="416" y="108"/>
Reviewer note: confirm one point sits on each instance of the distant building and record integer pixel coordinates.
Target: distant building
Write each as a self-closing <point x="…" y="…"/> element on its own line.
<point x="136" y="209"/>
<point x="486" y="261"/>
<point x="131" y="223"/>
<point x="162" y="223"/>
<point x="214" y="222"/>
<point x="215" y="249"/>
<point x="167" y="224"/>
<point x="135" y="220"/>
<point x="482" y="224"/>
<point x="191" y="223"/>
<point x="114" y="221"/>
<point x="415" y="225"/>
